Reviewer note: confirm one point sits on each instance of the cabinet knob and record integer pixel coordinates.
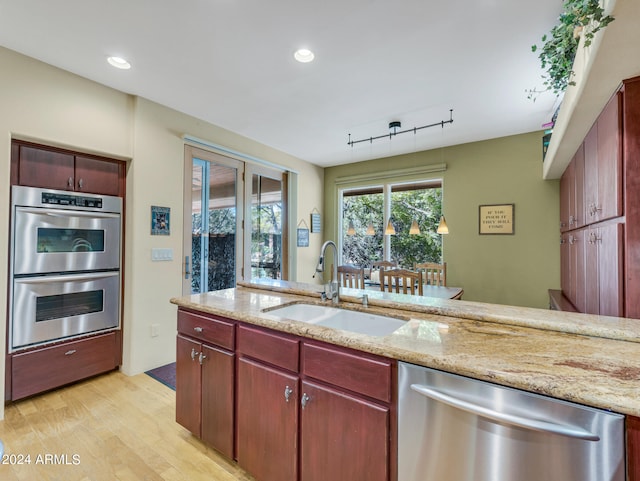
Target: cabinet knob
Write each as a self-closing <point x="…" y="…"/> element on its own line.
<point x="287" y="393"/>
<point x="201" y="358"/>
<point x="194" y="354"/>
<point x="70" y="183"/>
<point x="80" y="183"/>
<point x="304" y="400"/>
<point x="198" y="329"/>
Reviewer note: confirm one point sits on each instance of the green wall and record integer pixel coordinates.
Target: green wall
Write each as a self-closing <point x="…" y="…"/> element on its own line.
<point x="502" y="269"/>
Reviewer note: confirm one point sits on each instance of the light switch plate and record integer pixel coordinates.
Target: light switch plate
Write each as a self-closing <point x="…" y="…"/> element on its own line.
<point x="161" y="254"/>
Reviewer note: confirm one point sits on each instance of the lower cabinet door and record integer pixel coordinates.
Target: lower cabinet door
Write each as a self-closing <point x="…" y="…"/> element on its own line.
<point x="342" y="437"/>
<point x="50" y="367"/>
<point x="217" y="399"/>
<point x="267" y="422"/>
<point x="188" y="384"/>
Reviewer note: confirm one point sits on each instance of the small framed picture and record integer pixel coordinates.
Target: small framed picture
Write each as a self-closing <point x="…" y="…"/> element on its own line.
<point x="303" y="237"/>
<point x="160" y="219"/>
<point x="316" y="223"/>
<point x="497" y="219"/>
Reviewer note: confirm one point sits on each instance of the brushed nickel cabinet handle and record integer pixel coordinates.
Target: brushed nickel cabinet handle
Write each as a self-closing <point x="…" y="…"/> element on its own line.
<point x="69" y="353"/>
<point x="198" y="329"/>
<point x="287" y="393"/>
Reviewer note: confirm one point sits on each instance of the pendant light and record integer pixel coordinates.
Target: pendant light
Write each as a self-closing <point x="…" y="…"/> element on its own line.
<point x="390" y="230"/>
<point x="370" y="229"/>
<point x="415" y="228"/>
<point x="351" y="230"/>
<point x="442" y="226"/>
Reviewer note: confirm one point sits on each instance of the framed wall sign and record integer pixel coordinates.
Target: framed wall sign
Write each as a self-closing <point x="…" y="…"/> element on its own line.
<point x="316" y="222"/>
<point x="303" y="237"/>
<point x="497" y="219"/>
<point x="160" y="217"/>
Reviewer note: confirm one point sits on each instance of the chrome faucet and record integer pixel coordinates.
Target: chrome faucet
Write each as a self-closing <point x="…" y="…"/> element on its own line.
<point x="332" y="289"/>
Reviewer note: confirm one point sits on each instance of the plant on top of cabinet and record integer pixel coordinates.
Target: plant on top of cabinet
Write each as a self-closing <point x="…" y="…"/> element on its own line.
<point x="558" y="50"/>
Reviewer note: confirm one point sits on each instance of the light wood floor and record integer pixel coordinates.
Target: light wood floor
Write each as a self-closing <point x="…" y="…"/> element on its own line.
<point x="112" y="427"/>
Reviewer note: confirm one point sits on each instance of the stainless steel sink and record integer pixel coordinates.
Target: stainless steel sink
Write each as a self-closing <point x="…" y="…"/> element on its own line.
<point x="337" y="318"/>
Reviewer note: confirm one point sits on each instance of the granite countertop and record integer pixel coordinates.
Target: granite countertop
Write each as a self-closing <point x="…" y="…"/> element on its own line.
<point x="592" y="360"/>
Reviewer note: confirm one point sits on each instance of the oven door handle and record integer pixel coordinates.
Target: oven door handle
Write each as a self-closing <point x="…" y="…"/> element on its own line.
<point x="68" y="213"/>
<point x="89" y="276"/>
<point x="486" y="412"/>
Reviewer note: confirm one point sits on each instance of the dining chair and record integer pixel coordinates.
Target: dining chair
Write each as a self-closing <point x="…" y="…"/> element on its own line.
<point x="434" y="274"/>
<point x="351" y="276"/>
<point x="401" y="281"/>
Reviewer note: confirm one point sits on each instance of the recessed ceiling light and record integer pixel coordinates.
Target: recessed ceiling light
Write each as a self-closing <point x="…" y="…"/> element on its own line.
<point x="303" y="55"/>
<point x="119" y="63"/>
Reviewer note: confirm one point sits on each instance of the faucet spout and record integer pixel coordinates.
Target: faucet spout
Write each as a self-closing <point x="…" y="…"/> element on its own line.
<point x="333" y="288"/>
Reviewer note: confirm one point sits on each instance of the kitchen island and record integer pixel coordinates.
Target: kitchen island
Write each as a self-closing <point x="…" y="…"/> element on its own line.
<point x="590" y="360"/>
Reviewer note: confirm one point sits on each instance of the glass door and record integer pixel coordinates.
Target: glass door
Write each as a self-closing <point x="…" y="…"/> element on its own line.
<point x="267" y="204"/>
<point x="213" y="222"/>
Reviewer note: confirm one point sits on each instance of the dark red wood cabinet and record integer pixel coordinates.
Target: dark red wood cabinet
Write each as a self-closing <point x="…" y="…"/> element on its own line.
<point x="53" y="168"/>
<point x="35" y="165"/>
<point x="305" y="410"/>
<point x="39" y="370"/>
<point x="600" y="212"/>
<point x="205" y="376"/>
<point x="632" y="426"/>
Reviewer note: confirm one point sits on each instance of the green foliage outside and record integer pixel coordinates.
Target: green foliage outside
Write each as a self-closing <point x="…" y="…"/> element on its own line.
<point x="425" y="206"/>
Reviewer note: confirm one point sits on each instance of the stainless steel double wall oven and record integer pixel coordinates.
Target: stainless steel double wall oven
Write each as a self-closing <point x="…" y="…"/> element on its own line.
<point x="65" y="265"/>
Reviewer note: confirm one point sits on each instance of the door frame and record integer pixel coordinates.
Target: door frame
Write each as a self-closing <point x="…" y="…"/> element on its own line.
<point x="191" y="152"/>
<point x="282" y="175"/>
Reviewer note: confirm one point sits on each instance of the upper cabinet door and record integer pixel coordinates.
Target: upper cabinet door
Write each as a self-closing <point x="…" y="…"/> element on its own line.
<point x="591" y="174"/>
<point x="45" y="168"/>
<point x="567" y="197"/>
<point x="579" y="212"/>
<point x="609" y="161"/>
<point x="97" y="176"/>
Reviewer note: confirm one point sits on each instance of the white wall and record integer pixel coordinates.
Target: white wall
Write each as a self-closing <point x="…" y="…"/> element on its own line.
<point x="50" y="106"/>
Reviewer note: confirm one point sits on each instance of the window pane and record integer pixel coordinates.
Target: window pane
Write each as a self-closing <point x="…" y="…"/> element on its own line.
<point x="423" y="206"/>
<point x="364" y="211"/>
<point x="266" y="227"/>
<point x="364" y="206"/>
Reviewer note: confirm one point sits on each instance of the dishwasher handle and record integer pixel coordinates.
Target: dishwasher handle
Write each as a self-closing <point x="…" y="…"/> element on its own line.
<point x="575" y="432"/>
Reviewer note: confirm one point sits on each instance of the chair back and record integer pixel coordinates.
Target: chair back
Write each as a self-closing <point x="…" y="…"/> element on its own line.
<point x="434" y="274"/>
<point x="401" y="281"/>
<point x="351" y="276"/>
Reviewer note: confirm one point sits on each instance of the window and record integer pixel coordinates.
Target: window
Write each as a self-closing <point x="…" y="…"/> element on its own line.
<point x="366" y="212"/>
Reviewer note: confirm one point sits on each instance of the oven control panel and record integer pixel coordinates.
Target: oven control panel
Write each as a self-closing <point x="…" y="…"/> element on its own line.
<point x="54" y="198"/>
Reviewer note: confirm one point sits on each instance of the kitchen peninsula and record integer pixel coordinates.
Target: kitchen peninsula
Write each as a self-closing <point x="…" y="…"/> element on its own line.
<point x="590" y="360"/>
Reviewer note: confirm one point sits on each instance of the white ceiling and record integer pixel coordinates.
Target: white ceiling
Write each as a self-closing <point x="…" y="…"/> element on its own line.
<point x="230" y="62"/>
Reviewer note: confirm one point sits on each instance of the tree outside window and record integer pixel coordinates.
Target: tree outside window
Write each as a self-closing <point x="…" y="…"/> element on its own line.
<point x="363" y="208"/>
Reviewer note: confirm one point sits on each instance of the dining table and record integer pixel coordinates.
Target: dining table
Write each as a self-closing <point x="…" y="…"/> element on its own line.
<point x="428" y="290"/>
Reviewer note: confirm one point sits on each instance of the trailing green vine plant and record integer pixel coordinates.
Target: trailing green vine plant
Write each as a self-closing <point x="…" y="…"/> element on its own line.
<point x="558" y="50"/>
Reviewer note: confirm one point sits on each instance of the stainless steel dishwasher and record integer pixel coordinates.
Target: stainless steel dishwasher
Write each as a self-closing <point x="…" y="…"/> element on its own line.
<point x="452" y="428"/>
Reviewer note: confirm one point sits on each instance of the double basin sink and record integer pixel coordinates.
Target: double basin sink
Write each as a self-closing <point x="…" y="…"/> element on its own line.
<point x="337" y="318"/>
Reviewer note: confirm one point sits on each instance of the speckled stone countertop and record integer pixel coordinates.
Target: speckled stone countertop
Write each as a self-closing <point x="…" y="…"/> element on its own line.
<point x="592" y="360"/>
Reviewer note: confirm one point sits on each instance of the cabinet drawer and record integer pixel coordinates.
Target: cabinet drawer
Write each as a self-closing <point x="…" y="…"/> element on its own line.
<point x="276" y="349"/>
<point x="365" y="375"/>
<point x="207" y="328"/>
<point x="43" y="369"/>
